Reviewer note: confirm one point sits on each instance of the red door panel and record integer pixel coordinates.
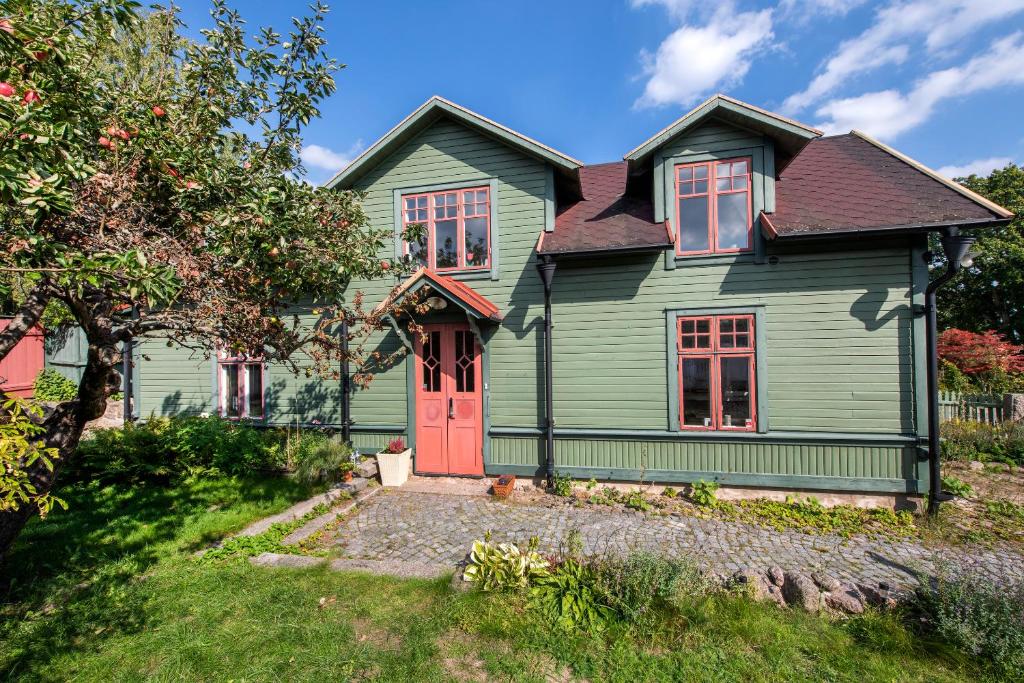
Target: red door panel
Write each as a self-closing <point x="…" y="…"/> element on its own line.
<point x="449" y="403"/>
<point x="19" y="368"/>
<point x="431" y="408"/>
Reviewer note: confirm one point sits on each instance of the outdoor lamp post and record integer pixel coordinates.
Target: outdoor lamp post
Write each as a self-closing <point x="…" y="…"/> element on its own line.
<point x="957" y="248"/>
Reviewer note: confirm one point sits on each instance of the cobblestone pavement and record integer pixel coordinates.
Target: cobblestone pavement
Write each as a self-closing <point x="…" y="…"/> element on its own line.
<point x="439" y="529"/>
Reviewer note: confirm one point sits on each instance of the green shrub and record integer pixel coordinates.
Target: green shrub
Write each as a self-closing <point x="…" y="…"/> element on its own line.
<point x="572" y="597"/>
<point x="966" y="440"/>
<point x="957" y="487"/>
<point x="163" y="448"/>
<point x="635" y="500"/>
<point x="703" y="493"/>
<point x="561" y="485"/>
<point x="669" y="492"/>
<point x="642" y="584"/>
<point x="50" y="385"/>
<point x="321" y="459"/>
<point x="984" y="618"/>
<point x="504" y="566"/>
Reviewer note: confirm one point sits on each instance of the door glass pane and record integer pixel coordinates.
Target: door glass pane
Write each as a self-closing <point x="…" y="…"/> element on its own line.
<point x="693" y="224"/>
<point x="732" y="221"/>
<point x="446" y="240"/>
<point x="432" y="362"/>
<point x="465" y="370"/>
<point x="229" y="380"/>
<point x="476" y="241"/>
<point x="696" y="392"/>
<point x="735" y="391"/>
<point x="254" y="389"/>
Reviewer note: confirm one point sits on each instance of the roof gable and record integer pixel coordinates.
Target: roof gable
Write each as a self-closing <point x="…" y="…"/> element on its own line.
<point x="430" y="112"/>
<point x="461" y="294"/>
<point x="790" y="136"/>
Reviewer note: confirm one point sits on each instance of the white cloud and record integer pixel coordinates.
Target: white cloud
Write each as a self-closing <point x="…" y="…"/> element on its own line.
<point x="679" y="9"/>
<point x="887" y="113"/>
<point x="802" y="10"/>
<point x="939" y="23"/>
<point x="327" y="159"/>
<point x="981" y="167"/>
<point x="696" y="60"/>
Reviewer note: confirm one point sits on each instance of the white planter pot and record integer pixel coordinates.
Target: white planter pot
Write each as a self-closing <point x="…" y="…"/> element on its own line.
<point x="394" y="467"/>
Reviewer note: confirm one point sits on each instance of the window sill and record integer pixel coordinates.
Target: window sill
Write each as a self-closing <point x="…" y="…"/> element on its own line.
<point x="713" y="259"/>
<point x="488" y="274"/>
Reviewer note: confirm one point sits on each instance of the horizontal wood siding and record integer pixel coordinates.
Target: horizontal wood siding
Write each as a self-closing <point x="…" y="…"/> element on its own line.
<point x="171" y="380"/>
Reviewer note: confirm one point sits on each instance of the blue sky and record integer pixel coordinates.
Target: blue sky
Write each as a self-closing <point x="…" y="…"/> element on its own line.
<point x="940" y="80"/>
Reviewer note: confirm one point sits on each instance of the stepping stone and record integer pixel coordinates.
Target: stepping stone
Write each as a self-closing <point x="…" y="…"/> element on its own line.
<point x="290" y="561"/>
<point x="367" y="469"/>
<point x="291" y="514"/>
<point x="399" y="569"/>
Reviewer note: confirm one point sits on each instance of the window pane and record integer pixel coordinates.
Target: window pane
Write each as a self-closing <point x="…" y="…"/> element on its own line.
<point x="732" y="221"/>
<point x="693" y="224"/>
<point x="432" y="363"/>
<point x="696" y="392"/>
<point x="446" y="241"/>
<point x="254" y="386"/>
<point x="735" y="391"/>
<point x="739" y="168"/>
<point x="686" y="173"/>
<point x="700" y="172"/>
<point x="418" y="250"/>
<point x="476" y="241"/>
<point x="229" y="380"/>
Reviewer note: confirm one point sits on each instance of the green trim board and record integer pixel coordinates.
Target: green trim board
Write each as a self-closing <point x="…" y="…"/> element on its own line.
<point x="427" y="114"/>
<point x="491" y="183"/>
<point x="918" y="283"/>
<point x="736" y="113"/>
<point x="549" y="199"/>
<point x="760" y="358"/>
<point x="762" y="168"/>
<point x="835" y="438"/>
<point x="800" y="482"/>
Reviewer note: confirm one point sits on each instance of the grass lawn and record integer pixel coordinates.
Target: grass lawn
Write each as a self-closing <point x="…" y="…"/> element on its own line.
<point x="108" y="591"/>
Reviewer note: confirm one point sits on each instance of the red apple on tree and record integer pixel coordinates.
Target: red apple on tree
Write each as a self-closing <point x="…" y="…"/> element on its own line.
<point x="105" y="142"/>
<point x="30" y="97"/>
<point x="158" y="111"/>
<point x="6" y="26"/>
<point x="6" y="89"/>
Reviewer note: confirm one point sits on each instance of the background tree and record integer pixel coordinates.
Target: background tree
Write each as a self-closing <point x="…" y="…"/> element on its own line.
<point x="151" y="185"/>
<point x="984" y="362"/>
<point x="990" y="295"/>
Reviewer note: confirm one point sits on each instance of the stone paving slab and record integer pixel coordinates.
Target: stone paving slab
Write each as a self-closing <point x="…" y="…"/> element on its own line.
<point x="406" y="527"/>
<point x="399" y="569"/>
<point x="291" y="514"/>
<point x="289" y="561"/>
<point x="317" y="523"/>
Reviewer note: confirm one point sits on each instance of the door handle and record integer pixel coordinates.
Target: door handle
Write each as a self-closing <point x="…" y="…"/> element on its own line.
<point x="451" y="409"/>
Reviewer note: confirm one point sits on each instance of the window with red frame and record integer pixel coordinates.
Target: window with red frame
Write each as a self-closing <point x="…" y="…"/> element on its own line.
<point x="716" y="373"/>
<point x="713" y="208"/>
<point x="458" y="222"/>
<point x="240" y="387"/>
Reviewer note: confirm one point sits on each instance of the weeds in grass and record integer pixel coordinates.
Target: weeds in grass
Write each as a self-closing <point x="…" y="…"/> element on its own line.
<point x="703" y="493"/>
<point x="957" y="487"/>
<point x="561" y="485"/>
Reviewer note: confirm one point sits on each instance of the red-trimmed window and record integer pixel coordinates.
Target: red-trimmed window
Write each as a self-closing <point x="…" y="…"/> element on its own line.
<point x="240" y="387"/>
<point x="458" y="235"/>
<point x="713" y="208"/>
<point x="717" y="373"/>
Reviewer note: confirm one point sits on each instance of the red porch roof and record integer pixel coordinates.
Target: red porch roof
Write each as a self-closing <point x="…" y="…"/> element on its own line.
<point x="468" y="298"/>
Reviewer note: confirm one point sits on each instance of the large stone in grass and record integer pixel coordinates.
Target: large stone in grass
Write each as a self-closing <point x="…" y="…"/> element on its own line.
<point x="777" y="576"/>
<point x="825" y="582"/>
<point x="353" y="487"/>
<point x="799" y="591"/>
<point x="758" y="585"/>
<point x="847" y="601"/>
<point x="290" y="561"/>
<point x="877" y="596"/>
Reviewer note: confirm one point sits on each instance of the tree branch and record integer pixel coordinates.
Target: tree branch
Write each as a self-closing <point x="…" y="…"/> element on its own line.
<point x="26" y="317"/>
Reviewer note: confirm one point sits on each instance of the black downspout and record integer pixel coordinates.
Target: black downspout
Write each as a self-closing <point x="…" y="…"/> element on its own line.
<point x="346" y="388"/>
<point x="546" y="268"/>
<point x="935" y="493"/>
<point x="127" y="383"/>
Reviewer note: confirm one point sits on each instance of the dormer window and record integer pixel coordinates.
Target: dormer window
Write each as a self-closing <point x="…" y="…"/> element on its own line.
<point x="458" y="228"/>
<point x="713" y="207"/>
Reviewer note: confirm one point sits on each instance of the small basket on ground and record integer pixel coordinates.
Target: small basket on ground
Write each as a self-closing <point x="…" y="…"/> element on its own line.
<point x="504" y="485"/>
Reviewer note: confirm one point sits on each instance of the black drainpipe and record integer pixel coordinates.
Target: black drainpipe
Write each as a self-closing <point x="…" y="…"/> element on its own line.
<point x="346" y="388"/>
<point x="955" y="247"/>
<point x="546" y="268"/>
<point x="127" y="351"/>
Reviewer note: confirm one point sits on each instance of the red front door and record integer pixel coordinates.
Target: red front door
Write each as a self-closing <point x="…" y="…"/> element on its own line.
<point x="449" y="405"/>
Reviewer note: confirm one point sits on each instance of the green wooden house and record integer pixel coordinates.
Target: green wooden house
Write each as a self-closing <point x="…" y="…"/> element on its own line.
<point x="734" y="300"/>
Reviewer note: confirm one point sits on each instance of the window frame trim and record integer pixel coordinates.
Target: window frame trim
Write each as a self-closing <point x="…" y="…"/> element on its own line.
<point x="759" y="390"/>
<point x="762" y="199"/>
<point x="712" y="195"/>
<point x="242" y="362"/>
<point x="491" y="184"/>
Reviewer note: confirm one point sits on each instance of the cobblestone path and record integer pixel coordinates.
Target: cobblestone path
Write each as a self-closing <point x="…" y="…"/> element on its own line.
<point x="439" y="529"/>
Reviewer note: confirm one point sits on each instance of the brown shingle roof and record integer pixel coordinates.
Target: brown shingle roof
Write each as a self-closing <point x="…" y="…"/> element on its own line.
<point x="605" y="219"/>
<point x="849" y="183"/>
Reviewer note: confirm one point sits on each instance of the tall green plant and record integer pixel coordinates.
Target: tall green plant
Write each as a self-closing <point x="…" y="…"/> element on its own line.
<point x="20" y="442"/>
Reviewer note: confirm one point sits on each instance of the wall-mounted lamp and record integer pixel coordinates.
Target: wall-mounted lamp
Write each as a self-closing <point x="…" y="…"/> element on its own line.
<point x="436" y="303"/>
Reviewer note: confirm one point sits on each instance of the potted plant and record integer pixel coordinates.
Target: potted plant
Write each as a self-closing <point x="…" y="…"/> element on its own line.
<point x="393" y="463"/>
<point x="347" y="468"/>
